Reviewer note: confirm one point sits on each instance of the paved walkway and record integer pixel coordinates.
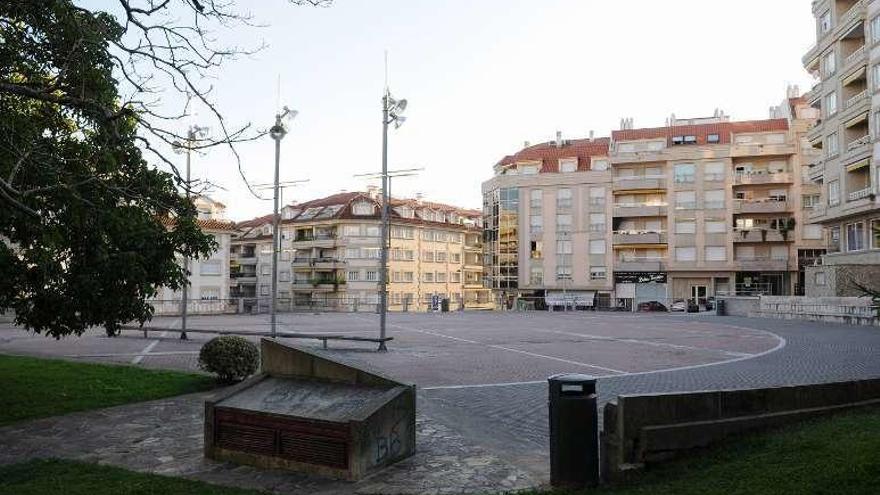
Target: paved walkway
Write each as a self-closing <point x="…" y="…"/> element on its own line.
<point x="482" y="422"/>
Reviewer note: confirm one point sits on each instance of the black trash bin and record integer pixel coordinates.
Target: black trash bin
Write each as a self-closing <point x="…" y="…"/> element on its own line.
<point x="720" y="307"/>
<point x="574" y="431"/>
<point x="444" y="305"/>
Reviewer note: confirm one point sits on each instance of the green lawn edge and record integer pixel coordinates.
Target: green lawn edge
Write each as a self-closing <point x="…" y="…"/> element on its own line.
<point x="32" y="387"/>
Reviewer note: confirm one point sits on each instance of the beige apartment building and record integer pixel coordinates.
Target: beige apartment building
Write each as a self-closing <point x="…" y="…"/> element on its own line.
<point x="695" y="208"/>
<point x="546" y="225"/>
<point x="330" y="247"/>
<point x="711" y="206"/>
<point x="844" y="61"/>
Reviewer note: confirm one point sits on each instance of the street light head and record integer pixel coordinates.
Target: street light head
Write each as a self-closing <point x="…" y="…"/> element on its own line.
<point x="201" y="132"/>
<point x="398" y="121"/>
<point x="277" y="132"/>
<point x="289" y="114"/>
<point x="177" y="147"/>
<point x="400" y="106"/>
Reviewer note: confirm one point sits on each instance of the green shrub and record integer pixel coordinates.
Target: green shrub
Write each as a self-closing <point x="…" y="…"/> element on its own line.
<point x="230" y="357"/>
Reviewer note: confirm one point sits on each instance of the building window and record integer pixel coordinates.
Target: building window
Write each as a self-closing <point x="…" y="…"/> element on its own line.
<point x="597" y="222"/>
<point x="563" y="198"/>
<point x="536" y="248"/>
<point x="210" y="293"/>
<point x="715" y="226"/>
<point x="875" y="28"/>
<point x="566" y="166"/>
<point x="716" y="253"/>
<point x="440" y="256"/>
<point x="855" y="236"/>
<point x="597" y="246"/>
<point x="685" y="253"/>
<point x="685" y="200"/>
<point x="830" y="104"/>
<point x="563" y="222"/>
<point x="875" y="234"/>
<point x="825" y="22"/>
<point x="820" y="278"/>
<point x="812" y="231"/>
<point x="563" y="247"/>
<point x="372" y="275"/>
<point x="834" y="193"/>
<point x="600" y="165"/>
<point x="536" y="197"/>
<point x="810" y="200"/>
<point x="211" y="267"/>
<point x="428" y="277"/>
<point x="455" y="257"/>
<point x="685" y="227"/>
<point x="713" y="171"/>
<point x="563" y="273"/>
<point x="440" y="277"/>
<point x="536" y="224"/>
<point x="536" y="276"/>
<point x="455" y="277"/>
<point x="408" y="277"/>
<point x="687" y="139"/>
<point x="529" y="170"/>
<point x="714" y="199"/>
<point x="354" y="275"/>
<point x="598" y="273"/>
<point x="597" y="195"/>
<point x="264" y="290"/>
<point x="284" y="276"/>
<point x="266" y="269"/>
<point x="833" y="144"/>
<point x="684" y="172"/>
<point x="713" y="138"/>
<point x="829" y="63"/>
<point x="363" y="208"/>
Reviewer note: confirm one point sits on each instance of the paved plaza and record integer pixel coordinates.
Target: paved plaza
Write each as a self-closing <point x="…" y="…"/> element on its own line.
<point x="481" y="379"/>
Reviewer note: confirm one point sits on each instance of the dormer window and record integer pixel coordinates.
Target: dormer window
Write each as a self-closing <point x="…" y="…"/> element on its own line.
<point x="267" y="229"/>
<point x="569" y="165"/>
<point x="405" y="212"/>
<point x="713" y="139"/>
<point x="528" y="169"/>
<point x="363" y="208"/>
<point x="600" y="165"/>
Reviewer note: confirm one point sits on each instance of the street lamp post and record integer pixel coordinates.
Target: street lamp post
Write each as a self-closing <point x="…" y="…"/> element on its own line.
<point x="392" y="111"/>
<point x="277" y="133"/>
<point x="192" y="135"/>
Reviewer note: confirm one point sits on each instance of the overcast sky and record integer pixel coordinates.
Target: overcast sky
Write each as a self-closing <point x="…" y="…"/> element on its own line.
<point x="482" y="76"/>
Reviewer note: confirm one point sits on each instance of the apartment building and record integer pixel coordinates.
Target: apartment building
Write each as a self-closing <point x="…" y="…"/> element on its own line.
<point x="330" y="250"/>
<point x="844" y="62"/>
<point x="546" y="225"/>
<point x="208" y="290"/>
<point x="711" y="206"/>
<point x="250" y="267"/>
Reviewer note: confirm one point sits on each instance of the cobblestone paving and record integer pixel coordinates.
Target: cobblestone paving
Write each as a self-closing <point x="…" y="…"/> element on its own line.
<point x="482" y="386"/>
<point x="165" y="437"/>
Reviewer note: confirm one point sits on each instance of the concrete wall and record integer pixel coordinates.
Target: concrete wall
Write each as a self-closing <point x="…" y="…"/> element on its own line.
<point x="741" y="306"/>
<point x="642" y="429"/>
<point x="840" y="279"/>
<point x="848" y="310"/>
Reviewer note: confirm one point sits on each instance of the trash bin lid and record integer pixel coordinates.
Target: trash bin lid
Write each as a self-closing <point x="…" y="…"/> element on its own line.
<point x="572" y="378"/>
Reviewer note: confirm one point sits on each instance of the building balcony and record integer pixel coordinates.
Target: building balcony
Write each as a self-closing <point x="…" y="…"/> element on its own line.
<point x="306" y="242"/>
<point x="639" y="210"/>
<point x="636" y="182"/>
<point x="852" y="17"/>
<point x="759" y="149"/>
<point x="250" y="259"/>
<point x="317" y="286"/>
<point x="762" y="264"/>
<point x="638" y="264"/>
<point x="318" y="263"/>
<point x="854" y="59"/>
<point x="860" y="102"/>
<point x="814" y="93"/>
<point x="761" y="235"/>
<point x="762" y="178"/>
<point x="761" y="206"/>
<point x="473" y="248"/>
<point x="816" y="132"/>
<point x="816" y="172"/>
<point x="625" y="237"/>
<point x="242" y="278"/>
<point x="865" y="193"/>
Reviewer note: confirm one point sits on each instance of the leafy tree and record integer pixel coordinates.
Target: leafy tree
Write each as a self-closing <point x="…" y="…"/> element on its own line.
<point x="86" y="229"/>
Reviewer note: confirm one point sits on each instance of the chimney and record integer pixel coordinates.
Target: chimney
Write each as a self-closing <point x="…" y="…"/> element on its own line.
<point x="526" y="144"/>
<point x="559" y="139"/>
<point x="591" y="135"/>
<point x="419" y="197"/>
<point x="373" y="192"/>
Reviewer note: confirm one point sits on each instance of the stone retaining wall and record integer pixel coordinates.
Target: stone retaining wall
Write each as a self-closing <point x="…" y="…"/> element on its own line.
<point x="645" y="429"/>
<point x="848" y="310"/>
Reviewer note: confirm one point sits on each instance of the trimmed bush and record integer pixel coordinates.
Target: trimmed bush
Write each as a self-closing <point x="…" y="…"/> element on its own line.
<point x="230" y="357"/>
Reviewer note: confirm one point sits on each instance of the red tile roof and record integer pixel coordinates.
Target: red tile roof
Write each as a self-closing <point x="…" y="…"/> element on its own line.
<point x="210" y="224"/>
<point x="701" y="131"/>
<point x="549" y="153"/>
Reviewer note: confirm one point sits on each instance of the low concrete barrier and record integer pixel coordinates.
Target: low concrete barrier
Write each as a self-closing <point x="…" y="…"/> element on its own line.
<point x="848" y="310"/>
<point x="308" y="413"/>
<point x="644" y="429"/>
<point x="741" y="305"/>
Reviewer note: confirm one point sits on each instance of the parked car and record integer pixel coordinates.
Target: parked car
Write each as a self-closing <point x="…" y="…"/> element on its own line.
<point x="678" y="305"/>
<point x="651" y="306"/>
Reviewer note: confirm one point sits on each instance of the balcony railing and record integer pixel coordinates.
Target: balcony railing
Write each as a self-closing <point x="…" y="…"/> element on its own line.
<point x="861" y="193"/>
<point x="855" y="100"/>
<point x="854" y="56"/>
<point x="761" y="177"/>
<point x="761" y="206"/>
<point x="639" y="237"/>
<point x="858" y="143"/>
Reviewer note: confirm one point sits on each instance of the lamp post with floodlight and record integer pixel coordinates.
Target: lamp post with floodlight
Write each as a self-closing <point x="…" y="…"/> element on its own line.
<point x="277" y="133"/>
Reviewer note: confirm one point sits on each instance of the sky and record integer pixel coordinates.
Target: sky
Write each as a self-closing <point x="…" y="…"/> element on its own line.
<point x="481" y="77"/>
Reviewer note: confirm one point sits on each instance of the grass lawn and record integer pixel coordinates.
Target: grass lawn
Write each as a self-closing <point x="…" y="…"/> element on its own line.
<point x="840" y="455"/>
<point x="56" y="477"/>
<point x="35" y="388"/>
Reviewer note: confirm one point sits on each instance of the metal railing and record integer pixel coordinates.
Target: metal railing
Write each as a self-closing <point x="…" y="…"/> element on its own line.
<point x="858" y="143"/>
<point x="861" y="194"/>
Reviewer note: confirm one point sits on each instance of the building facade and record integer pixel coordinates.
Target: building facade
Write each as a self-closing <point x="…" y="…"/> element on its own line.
<point x="846" y="64"/>
<point x="546" y="225"/>
<point x="693" y="209"/>
<point x="208" y="290"/>
<point x="330" y="249"/>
